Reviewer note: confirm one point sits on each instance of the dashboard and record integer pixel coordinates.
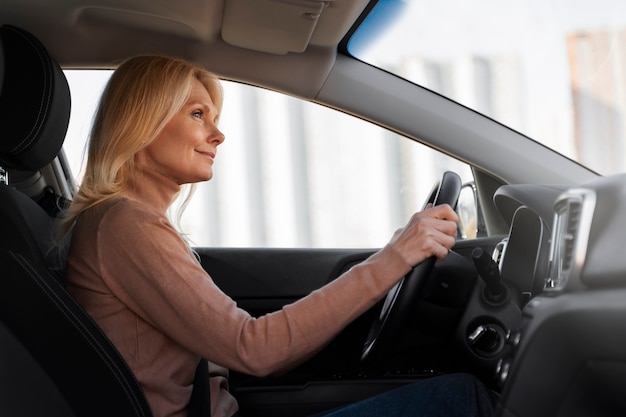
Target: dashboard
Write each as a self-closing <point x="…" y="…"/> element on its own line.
<point x="565" y="255"/>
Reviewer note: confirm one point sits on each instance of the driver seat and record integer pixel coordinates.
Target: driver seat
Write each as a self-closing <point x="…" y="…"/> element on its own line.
<point x="50" y="349"/>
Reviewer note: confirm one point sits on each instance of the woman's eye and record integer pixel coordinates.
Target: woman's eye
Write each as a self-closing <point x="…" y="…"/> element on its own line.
<point x="197" y="114"/>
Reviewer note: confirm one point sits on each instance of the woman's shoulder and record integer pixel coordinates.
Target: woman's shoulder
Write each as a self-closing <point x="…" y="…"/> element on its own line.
<point x="123" y="218"/>
<point x="121" y="210"/>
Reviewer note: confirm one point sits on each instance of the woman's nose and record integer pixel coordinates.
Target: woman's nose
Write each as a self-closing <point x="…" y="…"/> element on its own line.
<point x="216" y="137"/>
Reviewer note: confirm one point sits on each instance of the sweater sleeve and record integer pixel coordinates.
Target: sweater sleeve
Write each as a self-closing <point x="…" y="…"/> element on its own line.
<point x="147" y="265"/>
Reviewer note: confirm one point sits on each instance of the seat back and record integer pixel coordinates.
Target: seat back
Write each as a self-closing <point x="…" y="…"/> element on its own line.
<point x="51" y="352"/>
<point x="75" y="365"/>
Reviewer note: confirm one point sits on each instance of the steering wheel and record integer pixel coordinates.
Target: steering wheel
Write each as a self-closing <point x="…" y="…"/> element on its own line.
<point x="403" y="295"/>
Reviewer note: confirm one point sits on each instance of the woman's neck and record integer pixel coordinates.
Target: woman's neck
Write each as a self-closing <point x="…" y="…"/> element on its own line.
<point x="152" y="187"/>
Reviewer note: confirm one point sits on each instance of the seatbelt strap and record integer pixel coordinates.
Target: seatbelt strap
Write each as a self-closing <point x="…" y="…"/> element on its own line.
<point x="200" y="403"/>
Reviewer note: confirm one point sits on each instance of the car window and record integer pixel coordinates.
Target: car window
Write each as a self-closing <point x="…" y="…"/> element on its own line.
<point x="550" y="69"/>
<point x="291" y="173"/>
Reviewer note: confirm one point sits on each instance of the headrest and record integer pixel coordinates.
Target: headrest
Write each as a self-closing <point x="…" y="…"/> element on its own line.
<point x="34" y="102"/>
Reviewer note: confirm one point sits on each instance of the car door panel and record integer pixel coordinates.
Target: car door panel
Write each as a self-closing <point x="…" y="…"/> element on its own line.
<point x="263" y="280"/>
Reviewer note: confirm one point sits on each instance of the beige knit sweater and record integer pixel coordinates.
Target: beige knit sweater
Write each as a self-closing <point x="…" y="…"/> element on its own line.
<point x="132" y="272"/>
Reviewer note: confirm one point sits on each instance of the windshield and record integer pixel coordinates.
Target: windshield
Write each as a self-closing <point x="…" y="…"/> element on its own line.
<point x="553" y="70"/>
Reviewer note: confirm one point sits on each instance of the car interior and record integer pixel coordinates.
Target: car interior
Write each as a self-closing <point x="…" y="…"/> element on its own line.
<point x="532" y="304"/>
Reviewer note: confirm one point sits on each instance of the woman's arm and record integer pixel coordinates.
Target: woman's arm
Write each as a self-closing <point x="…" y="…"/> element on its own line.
<point x="150" y="269"/>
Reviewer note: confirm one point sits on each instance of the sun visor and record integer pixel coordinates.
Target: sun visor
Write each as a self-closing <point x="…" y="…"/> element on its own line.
<point x="273" y="26"/>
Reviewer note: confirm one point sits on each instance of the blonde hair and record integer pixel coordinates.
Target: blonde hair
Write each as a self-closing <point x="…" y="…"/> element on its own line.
<point x="142" y="96"/>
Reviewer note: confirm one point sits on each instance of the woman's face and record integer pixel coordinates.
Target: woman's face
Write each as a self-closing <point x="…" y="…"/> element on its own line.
<point x="186" y="148"/>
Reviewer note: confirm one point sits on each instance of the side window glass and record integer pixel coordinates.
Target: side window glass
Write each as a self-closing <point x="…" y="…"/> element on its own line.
<point x="293" y="174"/>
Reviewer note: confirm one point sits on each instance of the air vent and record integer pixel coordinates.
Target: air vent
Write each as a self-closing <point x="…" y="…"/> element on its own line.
<point x="570" y="233"/>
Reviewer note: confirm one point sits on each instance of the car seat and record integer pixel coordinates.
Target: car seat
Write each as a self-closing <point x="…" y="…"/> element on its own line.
<point x="54" y="359"/>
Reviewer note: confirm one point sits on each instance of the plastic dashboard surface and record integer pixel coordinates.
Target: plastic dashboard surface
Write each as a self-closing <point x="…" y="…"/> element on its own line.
<point x="568" y="358"/>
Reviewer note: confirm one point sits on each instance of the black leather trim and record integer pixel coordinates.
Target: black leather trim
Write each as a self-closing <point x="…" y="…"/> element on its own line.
<point x="35" y="102"/>
<point x="81" y="361"/>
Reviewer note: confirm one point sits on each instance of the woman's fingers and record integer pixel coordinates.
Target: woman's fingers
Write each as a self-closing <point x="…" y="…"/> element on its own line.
<point x="431" y="232"/>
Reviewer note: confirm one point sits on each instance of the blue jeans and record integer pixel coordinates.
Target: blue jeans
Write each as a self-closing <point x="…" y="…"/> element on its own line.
<point x="454" y="395"/>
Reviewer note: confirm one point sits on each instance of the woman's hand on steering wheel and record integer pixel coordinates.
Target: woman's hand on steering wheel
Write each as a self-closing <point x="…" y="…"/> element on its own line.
<point x="431" y="232"/>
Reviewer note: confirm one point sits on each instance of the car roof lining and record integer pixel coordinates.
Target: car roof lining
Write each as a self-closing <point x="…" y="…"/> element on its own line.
<point x="99" y="30"/>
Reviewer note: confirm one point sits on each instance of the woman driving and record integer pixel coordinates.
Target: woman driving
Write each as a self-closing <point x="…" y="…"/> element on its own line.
<point x="156" y="129"/>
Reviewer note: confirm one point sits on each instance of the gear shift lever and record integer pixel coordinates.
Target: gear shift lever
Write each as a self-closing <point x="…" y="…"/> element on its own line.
<point x="495" y="292"/>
